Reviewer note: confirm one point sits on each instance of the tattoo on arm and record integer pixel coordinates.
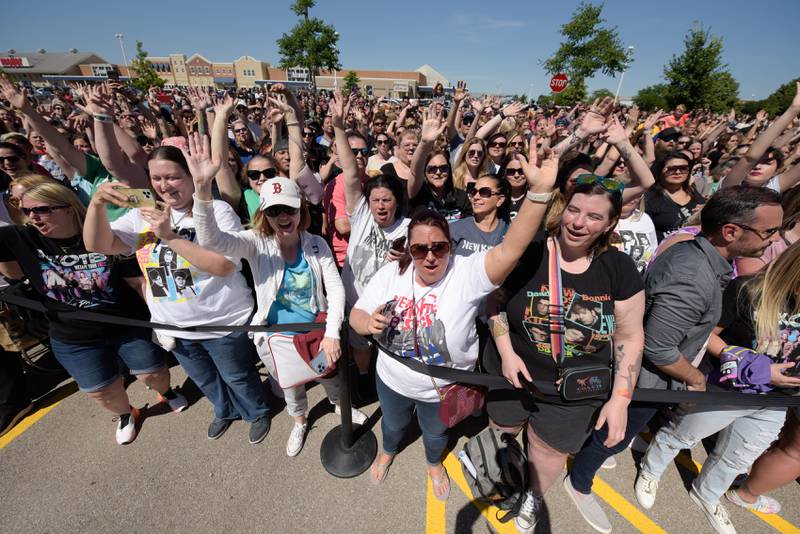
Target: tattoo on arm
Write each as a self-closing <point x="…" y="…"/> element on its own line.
<point x="498" y="324"/>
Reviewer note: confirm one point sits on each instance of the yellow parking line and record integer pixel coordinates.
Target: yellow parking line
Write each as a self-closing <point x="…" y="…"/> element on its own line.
<point x="47" y="404"/>
<point x="435" y="518"/>
<point x="627" y="510"/>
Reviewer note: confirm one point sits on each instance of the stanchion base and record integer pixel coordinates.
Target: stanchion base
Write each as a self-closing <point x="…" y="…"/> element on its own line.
<point x="350" y="462"/>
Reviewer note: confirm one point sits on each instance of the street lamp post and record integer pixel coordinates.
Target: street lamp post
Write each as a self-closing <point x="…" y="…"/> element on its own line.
<point x="622" y="76"/>
<point x="120" y="37"/>
<point x="335" y="71"/>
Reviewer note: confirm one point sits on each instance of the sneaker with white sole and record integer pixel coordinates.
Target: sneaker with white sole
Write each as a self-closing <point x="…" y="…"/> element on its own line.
<point x="764" y="504"/>
<point x="528" y="513"/>
<point x="357" y="416"/>
<point x="588" y="507"/>
<point x="177" y="402"/>
<point x="126" y="427"/>
<point x="296" y="439"/>
<point x="646" y="489"/>
<point x="610" y="463"/>
<point x="716" y="514"/>
<point x="638" y="444"/>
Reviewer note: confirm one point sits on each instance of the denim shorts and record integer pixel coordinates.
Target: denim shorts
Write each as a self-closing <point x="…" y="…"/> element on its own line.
<point x="96" y="366"/>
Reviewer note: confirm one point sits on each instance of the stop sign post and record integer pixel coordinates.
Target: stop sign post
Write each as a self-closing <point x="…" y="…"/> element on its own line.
<point x="559" y="82"/>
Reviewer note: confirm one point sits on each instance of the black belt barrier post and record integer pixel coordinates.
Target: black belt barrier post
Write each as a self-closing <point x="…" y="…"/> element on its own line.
<point x="344" y="453"/>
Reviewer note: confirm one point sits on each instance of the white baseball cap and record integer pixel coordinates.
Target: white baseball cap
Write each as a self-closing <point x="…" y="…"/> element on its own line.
<point x="279" y="192"/>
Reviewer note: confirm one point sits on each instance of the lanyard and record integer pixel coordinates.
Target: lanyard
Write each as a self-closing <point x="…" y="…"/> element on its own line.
<point x="556" y="312"/>
<point x="414" y="326"/>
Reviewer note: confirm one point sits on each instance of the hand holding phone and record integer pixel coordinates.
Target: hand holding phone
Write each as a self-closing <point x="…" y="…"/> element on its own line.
<point x="138" y="198"/>
<point x="319" y="363"/>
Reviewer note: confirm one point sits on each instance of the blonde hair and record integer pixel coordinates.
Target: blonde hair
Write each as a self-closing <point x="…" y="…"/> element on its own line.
<point x="30" y="180"/>
<point x="461" y="169"/>
<point x="54" y="194"/>
<point x="771" y="292"/>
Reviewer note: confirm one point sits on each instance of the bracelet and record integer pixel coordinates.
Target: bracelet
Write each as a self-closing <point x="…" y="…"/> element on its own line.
<point x="102" y="117"/>
<point x="539" y="198"/>
<point x="295" y="123"/>
<point x="502" y="115"/>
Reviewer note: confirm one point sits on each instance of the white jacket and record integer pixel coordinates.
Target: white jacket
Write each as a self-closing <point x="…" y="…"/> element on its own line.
<point x="264" y="256"/>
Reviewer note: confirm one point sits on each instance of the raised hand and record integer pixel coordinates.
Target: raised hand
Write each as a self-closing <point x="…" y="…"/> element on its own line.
<point x="223" y="106"/>
<point x="796" y="99"/>
<point x="432" y="126"/>
<point x="200" y="98"/>
<point x="595" y="119"/>
<point x="513" y="108"/>
<point x="652" y="119"/>
<point x="530" y="167"/>
<point x="461" y="91"/>
<point x="549" y="170"/>
<point x="633" y="117"/>
<point x="201" y="165"/>
<point x="160" y="221"/>
<point x="761" y="115"/>
<point x="615" y="133"/>
<point x="338" y="109"/>
<point x="99" y="100"/>
<point x="149" y="129"/>
<point x="17" y="97"/>
<point x="477" y="106"/>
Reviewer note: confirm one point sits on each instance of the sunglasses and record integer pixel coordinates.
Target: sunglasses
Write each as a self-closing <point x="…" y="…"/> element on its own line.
<point x="763" y="234"/>
<point x="483" y="192"/>
<point x="514" y="172"/>
<point x="240" y="130"/>
<point x="420" y="251"/>
<point x="677" y="169"/>
<point x="382" y="142"/>
<point x="267" y="173"/>
<point x="363" y="151"/>
<point x="497" y="145"/>
<point x="436" y="169"/>
<point x="474" y="153"/>
<point x="379" y="124"/>
<point x="278" y="210"/>
<point x="308" y="134"/>
<point x="10" y="159"/>
<point x="609" y="184"/>
<point x="517" y="144"/>
<point x="41" y="210"/>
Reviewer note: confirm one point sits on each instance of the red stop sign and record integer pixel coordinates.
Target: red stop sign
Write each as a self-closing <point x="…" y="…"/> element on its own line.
<point x="558" y="82"/>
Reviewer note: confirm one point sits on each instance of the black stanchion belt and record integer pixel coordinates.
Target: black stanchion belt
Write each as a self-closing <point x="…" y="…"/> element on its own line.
<point x="714" y="395"/>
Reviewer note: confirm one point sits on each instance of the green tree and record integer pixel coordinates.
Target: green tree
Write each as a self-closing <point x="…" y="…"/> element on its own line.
<point x="777" y="102"/>
<point x="652" y="98"/>
<point x="350" y="82"/>
<point x="600" y="94"/>
<point x="310" y="44"/>
<point x="144" y="75"/>
<point x="698" y="78"/>
<point x="589" y="47"/>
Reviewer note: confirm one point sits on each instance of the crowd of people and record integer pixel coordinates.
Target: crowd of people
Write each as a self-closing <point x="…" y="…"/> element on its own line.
<point x="474" y="233"/>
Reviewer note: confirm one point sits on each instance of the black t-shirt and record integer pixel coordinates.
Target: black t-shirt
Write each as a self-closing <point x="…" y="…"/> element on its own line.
<point x="69" y="277"/>
<point x="453" y="206"/>
<point x="588" y="301"/>
<point x="667" y="215"/>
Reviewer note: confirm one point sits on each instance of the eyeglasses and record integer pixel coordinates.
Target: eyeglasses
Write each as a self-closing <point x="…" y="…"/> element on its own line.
<point x="483" y="192"/>
<point x="436" y="169"/>
<point x="763" y="234"/>
<point x="475" y="153"/>
<point x="10" y="159"/>
<point x="677" y="169"/>
<point x="41" y="210"/>
<point x="420" y="251"/>
<point x="364" y="152"/>
<point x="609" y="184"/>
<point x="496" y="144"/>
<point x="278" y="210"/>
<point x="514" y="172"/>
<point x="382" y="142"/>
<point x="267" y="173"/>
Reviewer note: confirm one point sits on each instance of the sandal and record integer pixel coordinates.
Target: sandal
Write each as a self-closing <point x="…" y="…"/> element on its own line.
<point x="441" y="487"/>
<point x="378" y="471"/>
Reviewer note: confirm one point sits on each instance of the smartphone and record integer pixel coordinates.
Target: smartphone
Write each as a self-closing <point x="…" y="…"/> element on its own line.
<point x="388" y="309"/>
<point x="319" y="363"/>
<point x="794" y="357"/>
<point x="399" y="244"/>
<point x="138" y="198"/>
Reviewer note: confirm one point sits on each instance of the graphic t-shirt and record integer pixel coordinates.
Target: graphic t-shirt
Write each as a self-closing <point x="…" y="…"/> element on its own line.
<point x="97" y="175"/>
<point x="636" y="238"/>
<point x="514" y="206"/>
<point x="453" y="206"/>
<point x="293" y="302"/>
<point x="367" y="249"/>
<point x="178" y="292"/>
<point x="668" y="216"/>
<point x="70" y="277"/>
<point x="588" y="300"/>
<point x="468" y="239"/>
<point x="444" y="314"/>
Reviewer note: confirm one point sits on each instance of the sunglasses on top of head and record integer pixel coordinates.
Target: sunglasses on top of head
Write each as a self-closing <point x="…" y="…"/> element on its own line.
<point x="419" y="251"/>
<point x="609" y="184"/>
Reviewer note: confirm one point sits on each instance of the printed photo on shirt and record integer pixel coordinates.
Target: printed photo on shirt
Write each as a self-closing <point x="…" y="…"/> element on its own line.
<point x="170" y="276"/>
<point x="80" y="280"/>
<point x="430" y="339"/>
<point x="157" y="278"/>
<point x="369" y="256"/>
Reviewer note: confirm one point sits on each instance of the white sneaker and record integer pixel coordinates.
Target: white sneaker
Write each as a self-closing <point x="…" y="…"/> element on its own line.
<point x="716" y="514"/>
<point x="296" y="439"/>
<point x="610" y="463"/>
<point x="126" y="427"/>
<point x="589" y="508"/>
<point x="177" y="402"/>
<point x="527" y="518"/>
<point x="764" y="504"/>
<point x="646" y="489"/>
<point x="357" y="416"/>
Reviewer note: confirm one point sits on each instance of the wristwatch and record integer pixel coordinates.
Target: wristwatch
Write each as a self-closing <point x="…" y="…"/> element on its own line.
<point x="539" y="198"/>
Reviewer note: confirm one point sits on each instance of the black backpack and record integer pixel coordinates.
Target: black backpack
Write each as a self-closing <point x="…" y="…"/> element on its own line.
<point x="500" y="476"/>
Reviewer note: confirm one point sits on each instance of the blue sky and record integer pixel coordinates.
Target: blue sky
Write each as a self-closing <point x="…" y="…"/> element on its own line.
<point x="495" y="46"/>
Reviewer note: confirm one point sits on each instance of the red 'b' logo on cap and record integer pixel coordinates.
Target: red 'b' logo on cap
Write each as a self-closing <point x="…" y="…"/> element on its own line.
<point x="276" y="189"/>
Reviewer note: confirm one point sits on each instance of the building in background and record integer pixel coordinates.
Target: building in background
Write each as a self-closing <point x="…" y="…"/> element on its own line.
<point x="42" y="68"/>
<point x="224" y="75"/>
<point x="248" y="70"/>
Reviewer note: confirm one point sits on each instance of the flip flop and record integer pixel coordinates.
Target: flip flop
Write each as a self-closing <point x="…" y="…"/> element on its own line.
<point x="378" y="471"/>
<point x="441" y="487"/>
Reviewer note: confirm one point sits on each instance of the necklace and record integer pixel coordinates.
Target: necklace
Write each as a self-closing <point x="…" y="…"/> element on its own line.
<point x="176" y="223"/>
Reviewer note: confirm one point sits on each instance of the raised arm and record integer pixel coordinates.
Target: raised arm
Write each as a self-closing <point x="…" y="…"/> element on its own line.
<point x="593" y="122"/>
<point x="432" y="128"/>
<point x="229" y="188"/>
<point x="352" y="180"/>
<point x="760" y="146"/>
<point x="458" y="98"/>
<point x="502" y="259"/>
<point x="494" y="123"/>
<point x="97" y="233"/>
<point x="641" y="177"/>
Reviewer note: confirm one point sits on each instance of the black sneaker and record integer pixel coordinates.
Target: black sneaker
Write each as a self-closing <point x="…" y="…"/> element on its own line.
<point x="9" y="418"/>
<point x="218" y="427"/>
<point x="259" y="429"/>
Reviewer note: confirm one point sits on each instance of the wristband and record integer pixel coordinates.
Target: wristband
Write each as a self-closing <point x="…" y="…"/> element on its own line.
<point x="502" y="115"/>
<point x="102" y="117"/>
<point x="295" y="123"/>
<point x="539" y="198"/>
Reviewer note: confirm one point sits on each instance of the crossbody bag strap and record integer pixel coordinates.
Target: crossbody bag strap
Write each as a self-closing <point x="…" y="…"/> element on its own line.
<point x="414" y="326"/>
<point x="556" y="311"/>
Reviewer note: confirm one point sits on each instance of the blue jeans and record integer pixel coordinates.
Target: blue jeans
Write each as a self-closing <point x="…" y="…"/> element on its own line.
<point x="397" y="412"/>
<point x="744" y="435"/>
<point x="594" y="453"/>
<point x="95" y="366"/>
<point x="223" y="370"/>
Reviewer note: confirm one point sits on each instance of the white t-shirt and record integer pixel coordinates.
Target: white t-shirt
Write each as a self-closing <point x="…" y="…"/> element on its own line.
<point x="367" y="248"/>
<point x="638" y="239"/>
<point x="375" y="162"/>
<point x="445" y="317"/>
<point x="178" y="292"/>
